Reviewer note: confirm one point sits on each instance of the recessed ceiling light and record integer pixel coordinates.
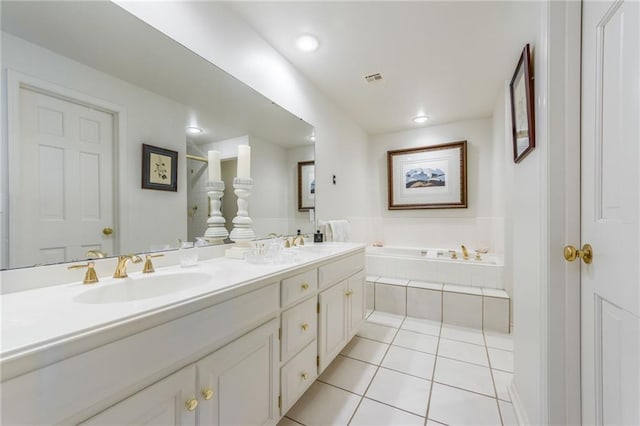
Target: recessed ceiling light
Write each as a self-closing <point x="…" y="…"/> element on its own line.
<point x="194" y="130"/>
<point x="421" y="119"/>
<point x="307" y="43"/>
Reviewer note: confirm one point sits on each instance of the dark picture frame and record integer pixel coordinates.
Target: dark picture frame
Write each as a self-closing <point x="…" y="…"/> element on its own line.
<point x="428" y="177"/>
<point x="306" y="185"/>
<point x="159" y="168"/>
<point x="522" y="108"/>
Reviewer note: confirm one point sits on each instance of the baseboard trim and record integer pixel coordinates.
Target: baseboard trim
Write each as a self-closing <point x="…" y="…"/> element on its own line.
<point x="518" y="408"/>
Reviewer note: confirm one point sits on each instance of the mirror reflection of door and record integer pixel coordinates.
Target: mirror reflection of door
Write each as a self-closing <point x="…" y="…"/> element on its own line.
<point x="228" y="170"/>
<point x="62" y="193"/>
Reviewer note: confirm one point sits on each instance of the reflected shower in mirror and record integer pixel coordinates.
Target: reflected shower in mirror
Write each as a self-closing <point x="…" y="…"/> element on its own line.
<point x="82" y="99"/>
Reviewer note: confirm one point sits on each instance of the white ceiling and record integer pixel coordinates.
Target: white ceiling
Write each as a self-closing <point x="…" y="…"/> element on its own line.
<point x="447" y="60"/>
<point x="109" y="39"/>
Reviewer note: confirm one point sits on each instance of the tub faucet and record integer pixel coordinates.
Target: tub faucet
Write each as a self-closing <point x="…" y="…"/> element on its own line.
<point x="121" y="269"/>
<point x="465" y="253"/>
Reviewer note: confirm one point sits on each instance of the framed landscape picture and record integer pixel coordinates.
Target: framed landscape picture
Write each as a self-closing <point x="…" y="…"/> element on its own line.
<point x="159" y="168"/>
<point x="430" y="177"/>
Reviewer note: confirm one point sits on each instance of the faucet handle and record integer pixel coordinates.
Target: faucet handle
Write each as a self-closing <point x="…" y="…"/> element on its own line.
<point x="148" y="266"/>
<point x="90" y="277"/>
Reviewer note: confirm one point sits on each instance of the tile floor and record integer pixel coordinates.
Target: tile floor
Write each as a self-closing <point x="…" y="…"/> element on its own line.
<point x="408" y="371"/>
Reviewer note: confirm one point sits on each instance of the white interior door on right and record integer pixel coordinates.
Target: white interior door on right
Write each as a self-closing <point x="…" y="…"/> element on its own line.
<point x="610" y="182"/>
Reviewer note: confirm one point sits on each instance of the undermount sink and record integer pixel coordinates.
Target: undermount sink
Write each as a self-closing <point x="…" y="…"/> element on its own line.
<point x="141" y="287"/>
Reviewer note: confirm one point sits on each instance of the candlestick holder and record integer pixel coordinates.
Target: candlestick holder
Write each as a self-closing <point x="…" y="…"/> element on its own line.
<point x="242" y="231"/>
<point x="216" y="232"/>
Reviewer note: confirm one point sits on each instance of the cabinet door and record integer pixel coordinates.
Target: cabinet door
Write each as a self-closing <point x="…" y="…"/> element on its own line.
<point x="163" y="403"/>
<point x="243" y="380"/>
<point x="332" y="328"/>
<point x="356" y="303"/>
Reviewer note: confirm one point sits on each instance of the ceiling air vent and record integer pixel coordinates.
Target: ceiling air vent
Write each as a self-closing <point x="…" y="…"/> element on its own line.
<point x="373" y="77"/>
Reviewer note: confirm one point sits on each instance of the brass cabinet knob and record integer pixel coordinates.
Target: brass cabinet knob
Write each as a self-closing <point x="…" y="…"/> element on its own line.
<point x="304" y="376"/>
<point x="586" y="254"/>
<point x="207" y="394"/>
<point x="305" y="286"/>
<point x="349" y="293"/>
<point x="305" y="326"/>
<point x="107" y="231"/>
<point x="191" y="404"/>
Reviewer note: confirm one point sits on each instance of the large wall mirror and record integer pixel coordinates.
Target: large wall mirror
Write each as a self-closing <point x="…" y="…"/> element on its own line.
<point x="85" y="85"/>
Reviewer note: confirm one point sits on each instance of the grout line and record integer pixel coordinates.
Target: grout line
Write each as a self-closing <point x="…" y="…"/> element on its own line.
<point x="493" y="381"/>
<point x="394" y="407"/>
<point x="433" y="376"/>
<point x="466" y="390"/>
<point x="375" y="374"/>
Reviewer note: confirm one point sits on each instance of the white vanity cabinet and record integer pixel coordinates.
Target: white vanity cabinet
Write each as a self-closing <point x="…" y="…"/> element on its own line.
<point x="236" y="385"/>
<point x="341" y="306"/>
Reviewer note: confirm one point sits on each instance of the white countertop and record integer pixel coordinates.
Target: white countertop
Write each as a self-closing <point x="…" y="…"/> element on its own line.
<point x="38" y="319"/>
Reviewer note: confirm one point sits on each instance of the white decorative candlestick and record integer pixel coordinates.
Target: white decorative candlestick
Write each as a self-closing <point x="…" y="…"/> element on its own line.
<point x="216" y="232"/>
<point x="242" y="224"/>
<point x="244" y="162"/>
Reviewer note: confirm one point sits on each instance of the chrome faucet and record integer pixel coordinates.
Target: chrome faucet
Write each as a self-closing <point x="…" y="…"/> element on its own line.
<point x="465" y="253"/>
<point x="121" y="268"/>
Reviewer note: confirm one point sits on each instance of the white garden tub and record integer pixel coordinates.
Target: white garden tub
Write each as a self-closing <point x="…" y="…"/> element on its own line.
<point x="435" y="265"/>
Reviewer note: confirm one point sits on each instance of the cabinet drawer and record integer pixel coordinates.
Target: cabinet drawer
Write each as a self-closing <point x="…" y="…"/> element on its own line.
<point x="297" y="375"/>
<point x="298" y="287"/>
<point x="340" y="270"/>
<point x="299" y="327"/>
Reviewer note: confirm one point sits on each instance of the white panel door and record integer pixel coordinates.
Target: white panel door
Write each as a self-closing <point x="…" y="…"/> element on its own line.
<point x="161" y="404"/>
<point x="609" y="220"/>
<point x="241" y="381"/>
<point x="61" y="181"/>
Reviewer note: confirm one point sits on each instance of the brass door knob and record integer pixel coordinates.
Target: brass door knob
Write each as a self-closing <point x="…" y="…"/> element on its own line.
<point x="586" y="254"/>
<point x="305" y="326"/>
<point x="191" y="404"/>
<point x="107" y="231"/>
<point x="207" y="394"/>
<point x="305" y="286"/>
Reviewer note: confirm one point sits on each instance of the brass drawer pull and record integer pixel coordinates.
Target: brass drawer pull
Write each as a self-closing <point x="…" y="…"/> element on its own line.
<point x="305" y="326"/>
<point x="207" y="394"/>
<point x="305" y="376"/>
<point x="305" y="286"/>
<point x="349" y="293"/>
<point x="191" y="404"/>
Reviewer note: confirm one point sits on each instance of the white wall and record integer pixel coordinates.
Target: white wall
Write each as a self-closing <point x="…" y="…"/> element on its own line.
<point x="217" y="34"/>
<point x="478" y="225"/>
<point x="150" y="119"/>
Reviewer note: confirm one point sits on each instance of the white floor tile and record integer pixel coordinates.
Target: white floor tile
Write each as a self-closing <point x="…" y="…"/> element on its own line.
<point x="349" y="374"/>
<point x="365" y="350"/>
<point x="508" y="415"/>
<point x="501" y="360"/>
<point x="464" y="375"/>
<point x="464" y="334"/>
<point x="400" y="390"/>
<point x="324" y="405"/>
<point x="503" y="380"/>
<point x="457" y="407"/>
<point x="423" y="326"/>
<point x="416" y="341"/>
<point x="408" y="361"/>
<point x="384" y="318"/>
<point x="499" y="341"/>
<point x="380" y="333"/>
<point x="463" y="351"/>
<point x="287" y="422"/>
<point x="372" y="413"/>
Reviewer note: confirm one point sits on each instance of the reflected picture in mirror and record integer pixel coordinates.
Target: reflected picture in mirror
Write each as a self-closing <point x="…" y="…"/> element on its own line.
<point x="84" y="81"/>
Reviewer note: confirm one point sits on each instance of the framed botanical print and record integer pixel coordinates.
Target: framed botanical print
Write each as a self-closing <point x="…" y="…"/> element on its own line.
<point x="522" y="117"/>
<point x="159" y="168"/>
<point x="306" y="185"/>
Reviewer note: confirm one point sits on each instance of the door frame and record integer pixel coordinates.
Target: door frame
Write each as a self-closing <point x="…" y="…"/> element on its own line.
<point x="561" y="388"/>
<point x="17" y="80"/>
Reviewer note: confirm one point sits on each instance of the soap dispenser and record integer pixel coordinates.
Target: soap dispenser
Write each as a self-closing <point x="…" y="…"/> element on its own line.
<point x="317" y="237"/>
